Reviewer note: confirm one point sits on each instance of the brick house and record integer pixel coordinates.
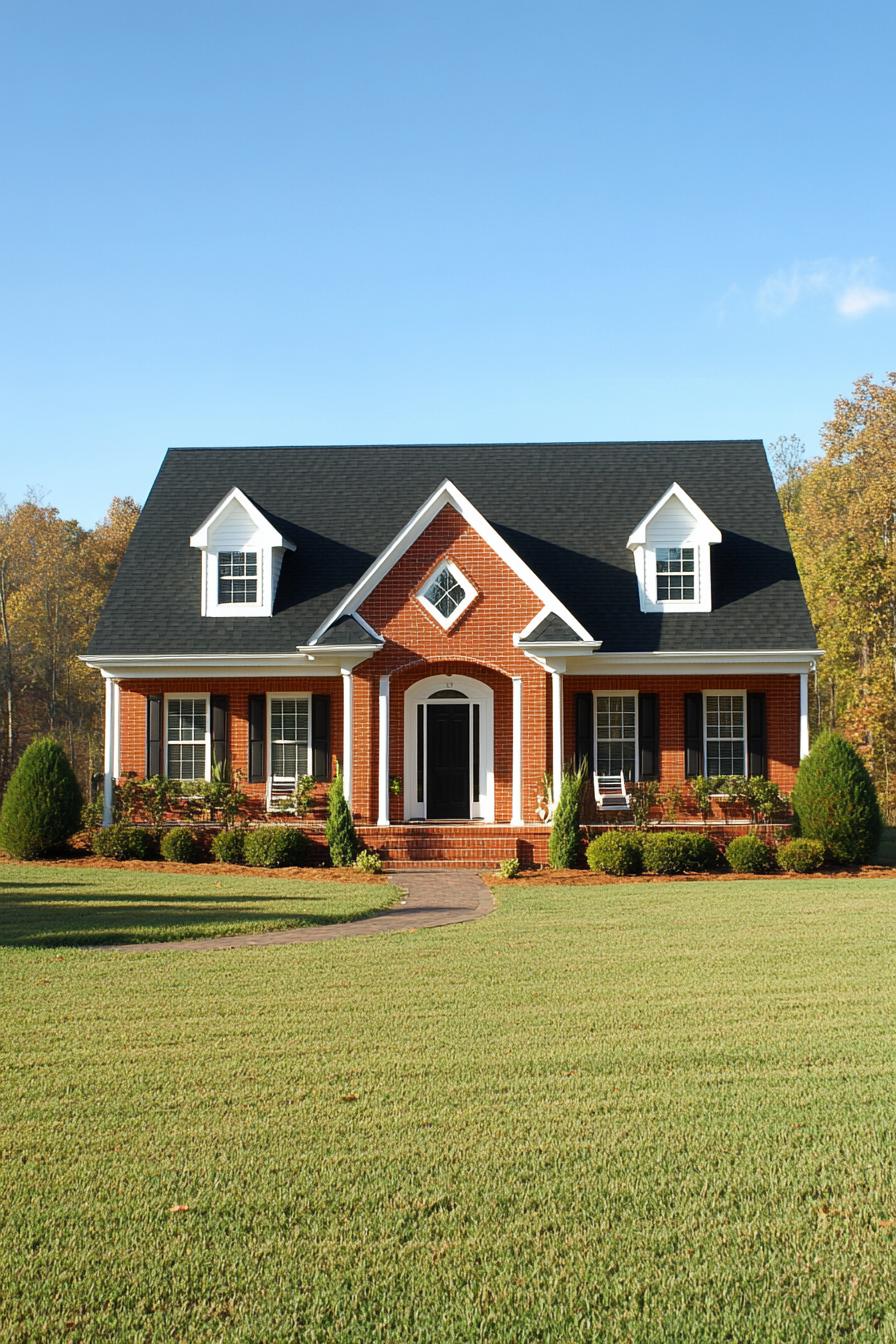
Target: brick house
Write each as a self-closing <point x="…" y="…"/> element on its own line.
<point x="451" y="623"/>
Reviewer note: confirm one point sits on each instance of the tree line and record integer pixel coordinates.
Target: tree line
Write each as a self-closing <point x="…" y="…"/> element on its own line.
<point x="54" y="577"/>
<point x="840" y="510"/>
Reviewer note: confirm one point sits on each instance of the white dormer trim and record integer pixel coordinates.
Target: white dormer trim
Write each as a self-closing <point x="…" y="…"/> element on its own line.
<point x="267" y="542"/>
<point x="702" y="534"/>
<point x="445" y="494"/>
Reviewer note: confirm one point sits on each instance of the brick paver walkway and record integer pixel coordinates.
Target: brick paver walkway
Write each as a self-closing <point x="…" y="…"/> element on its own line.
<point x="431" y="899"/>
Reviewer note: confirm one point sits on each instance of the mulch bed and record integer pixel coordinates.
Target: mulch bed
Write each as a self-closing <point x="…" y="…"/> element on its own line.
<point x="578" y="877"/>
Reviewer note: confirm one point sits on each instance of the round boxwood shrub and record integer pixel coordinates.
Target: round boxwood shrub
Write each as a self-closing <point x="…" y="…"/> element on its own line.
<point x="180" y="845"/>
<point x="801" y="856"/>
<point x="615" y="852"/>
<point x="42" y="804"/>
<point x="703" y="854"/>
<point x="229" y="846"/>
<point x="276" y="847"/>
<point x="750" y="854"/>
<point x="834" y="801"/>
<point x="122" y="841"/>
<point x="666" y="853"/>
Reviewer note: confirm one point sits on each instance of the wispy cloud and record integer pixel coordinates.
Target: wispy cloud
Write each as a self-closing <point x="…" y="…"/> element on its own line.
<point x="852" y="287"/>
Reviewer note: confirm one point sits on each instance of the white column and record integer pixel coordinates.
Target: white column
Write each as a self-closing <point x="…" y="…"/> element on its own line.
<point x="516" y="784"/>
<point x="108" y="753"/>
<point x="383" y="764"/>
<point x="116" y="730"/>
<point x="804" y="714"/>
<point x="557" y="730"/>
<point x="347" y="731"/>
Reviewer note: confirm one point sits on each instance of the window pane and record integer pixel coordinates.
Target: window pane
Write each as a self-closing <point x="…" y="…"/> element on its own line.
<point x="185" y="757"/>
<point x="289" y="736"/>
<point x="237" y="576"/>
<point x="445" y="593"/>
<point x="615" y="731"/>
<point x="675" y="574"/>
<point x="725" y="744"/>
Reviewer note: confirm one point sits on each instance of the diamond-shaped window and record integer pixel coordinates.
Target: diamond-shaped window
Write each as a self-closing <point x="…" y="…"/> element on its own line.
<point x="447" y="593"/>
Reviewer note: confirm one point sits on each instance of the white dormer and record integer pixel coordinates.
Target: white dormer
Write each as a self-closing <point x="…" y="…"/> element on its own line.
<point x="242" y="552"/>
<point x="671" y="550"/>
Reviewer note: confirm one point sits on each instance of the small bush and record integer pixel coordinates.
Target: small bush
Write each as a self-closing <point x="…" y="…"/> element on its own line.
<point x="276" y="847"/>
<point x="368" y="862"/>
<point x="565" y="843"/>
<point x="666" y="853"/>
<point x="42" y="804"/>
<point x="616" y="853"/>
<point x="801" y="856"/>
<point x="342" y="837"/>
<point x="180" y="845"/>
<point x="704" y="855"/>
<point x="750" y="854"/>
<point x="229" y="846"/>
<point x="121" y="841"/>
<point x="834" y="801"/>
<point x="509" y="868"/>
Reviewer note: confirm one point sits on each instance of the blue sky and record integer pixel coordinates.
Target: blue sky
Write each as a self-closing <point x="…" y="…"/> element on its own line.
<point x="399" y="222"/>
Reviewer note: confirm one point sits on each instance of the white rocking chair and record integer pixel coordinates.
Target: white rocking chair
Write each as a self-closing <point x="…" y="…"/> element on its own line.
<point x="611" y="793"/>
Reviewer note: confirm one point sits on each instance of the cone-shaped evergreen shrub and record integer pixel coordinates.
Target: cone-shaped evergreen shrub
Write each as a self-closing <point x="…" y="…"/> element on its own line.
<point x="340" y="831"/>
<point x="565" y="843"/>
<point x="834" y="801"/>
<point x="42" y="804"/>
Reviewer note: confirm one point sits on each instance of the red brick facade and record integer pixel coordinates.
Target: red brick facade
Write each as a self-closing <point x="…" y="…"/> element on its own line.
<point x="479" y="645"/>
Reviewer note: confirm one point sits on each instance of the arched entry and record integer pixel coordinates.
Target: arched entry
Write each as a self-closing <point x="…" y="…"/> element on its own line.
<point x="449" y="750"/>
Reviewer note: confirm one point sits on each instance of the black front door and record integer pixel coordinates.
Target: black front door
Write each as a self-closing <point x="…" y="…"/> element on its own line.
<point x="448" y="761"/>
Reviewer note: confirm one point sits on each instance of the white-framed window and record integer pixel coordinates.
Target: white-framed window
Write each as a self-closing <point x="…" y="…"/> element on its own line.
<point x="616" y="734"/>
<point x="289" y="736"/>
<point x="237" y="577"/>
<point x="676" y="574"/>
<point x="187" y="736"/>
<point x="725" y="732"/>
<point x="446" y="593"/>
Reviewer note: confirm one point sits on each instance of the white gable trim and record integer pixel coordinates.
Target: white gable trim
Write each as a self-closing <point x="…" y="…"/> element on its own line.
<point x="709" y="533"/>
<point x="446" y="494"/>
<point x="269" y="533"/>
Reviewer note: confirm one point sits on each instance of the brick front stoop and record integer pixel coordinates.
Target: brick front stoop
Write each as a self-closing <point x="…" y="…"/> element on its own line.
<point x="431" y="900"/>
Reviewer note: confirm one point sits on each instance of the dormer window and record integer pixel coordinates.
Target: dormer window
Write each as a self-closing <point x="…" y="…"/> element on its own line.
<point x="671" y="549"/>
<point x="242" y="554"/>
<point x="237" y="576"/>
<point x="675" y="574"/>
<point x="446" y="594"/>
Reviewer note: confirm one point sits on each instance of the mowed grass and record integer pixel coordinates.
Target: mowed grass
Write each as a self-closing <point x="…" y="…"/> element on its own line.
<point x="649" y="1112"/>
<point x="44" y="905"/>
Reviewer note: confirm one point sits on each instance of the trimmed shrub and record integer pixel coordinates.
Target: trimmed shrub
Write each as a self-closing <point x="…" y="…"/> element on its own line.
<point x="229" y="846"/>
<point x="750" y="854"/>
<point x="369" y="862"/>
<point x="121" y="841"/>
<point x="342" y="837"/>
<point x="42" y="804"/>
<point x="704" y="855"/>
<point x="564" y="845"/>
<point x="834" y="801"/>
<point x="801" y="856"/>
<point x="615" y="852"/>
<point x="276" y="847"/>
<point x="509" y="868"/>
<point x="666" y="853"/>
<point x="180" y="845"/>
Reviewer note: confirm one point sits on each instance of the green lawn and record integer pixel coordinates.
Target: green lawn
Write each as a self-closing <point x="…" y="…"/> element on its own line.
<point x="42" y="905"/>
<point x="651" y="1112"/>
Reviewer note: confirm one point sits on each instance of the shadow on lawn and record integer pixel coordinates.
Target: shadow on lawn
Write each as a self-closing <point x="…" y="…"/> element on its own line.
<point x="42" y="923"/>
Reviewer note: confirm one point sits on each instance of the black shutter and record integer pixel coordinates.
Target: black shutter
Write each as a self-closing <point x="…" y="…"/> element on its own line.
<point x="220" y="730"/>
<point x="693" y="734"/>
<point x="584" y="726"/>
<point x="757" y="750"/>
<point x="320" y="736"/>
<point x="648" y="735"/>
<point x="257" y="714"/>
<point x="153" y="735"/>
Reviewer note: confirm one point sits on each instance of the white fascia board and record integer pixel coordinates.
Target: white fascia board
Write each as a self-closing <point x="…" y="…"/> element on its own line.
<point x="565" y="646"/>
<point x="446" y="494"/>
<point x="266" y="528"/>
<point x="707" y="528"/>
<point x="708" y="662"/>
<point x="326" y="662"/>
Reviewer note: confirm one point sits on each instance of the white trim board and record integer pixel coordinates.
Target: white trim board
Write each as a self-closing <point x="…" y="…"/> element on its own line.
<point x="447" y="494"/>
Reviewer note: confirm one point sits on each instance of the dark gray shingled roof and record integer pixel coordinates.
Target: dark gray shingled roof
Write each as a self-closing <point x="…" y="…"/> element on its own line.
<point x="566" y="509"/>
<point x="553" y="630"/>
